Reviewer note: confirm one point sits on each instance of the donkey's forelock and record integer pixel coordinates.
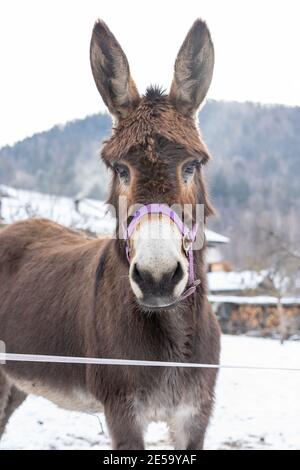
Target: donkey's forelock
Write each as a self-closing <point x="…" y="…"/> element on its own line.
<point x="154" y="116"/>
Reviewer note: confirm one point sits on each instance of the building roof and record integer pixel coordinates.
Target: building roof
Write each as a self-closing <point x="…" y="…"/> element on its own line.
<point x="233" y="281"/>
<point x="215" y="238"/>
<point x="252" y="300"/>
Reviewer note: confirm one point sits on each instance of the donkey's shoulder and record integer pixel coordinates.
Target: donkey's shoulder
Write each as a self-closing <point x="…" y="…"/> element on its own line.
<point x="17" y="237"/>
<point x="27" y="230"/>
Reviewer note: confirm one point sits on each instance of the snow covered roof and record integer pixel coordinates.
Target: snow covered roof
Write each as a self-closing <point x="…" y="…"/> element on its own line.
<point x="90" y="214"/>
<point x="214" y="237"/>
<point x="221" y="281"/>
<point x="254" y="300"/>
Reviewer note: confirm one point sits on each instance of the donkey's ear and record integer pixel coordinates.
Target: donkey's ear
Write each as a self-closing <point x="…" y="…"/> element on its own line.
<point x="193" y="69"/>
<point x="111" y="72"/>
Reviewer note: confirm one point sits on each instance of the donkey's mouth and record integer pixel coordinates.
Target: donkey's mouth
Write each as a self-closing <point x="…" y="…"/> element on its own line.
<point x="155" y="307"/>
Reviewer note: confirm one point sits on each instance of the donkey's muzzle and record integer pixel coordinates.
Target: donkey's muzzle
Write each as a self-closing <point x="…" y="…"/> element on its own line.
<point x="157" y="291"/>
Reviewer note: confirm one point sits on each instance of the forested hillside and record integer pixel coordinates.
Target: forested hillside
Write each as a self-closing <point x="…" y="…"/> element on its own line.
<point x="62" y="161"/>
<point x="253" y="177"/>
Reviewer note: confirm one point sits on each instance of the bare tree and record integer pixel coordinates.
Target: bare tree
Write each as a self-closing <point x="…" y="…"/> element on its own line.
<point x="278" y="258"/>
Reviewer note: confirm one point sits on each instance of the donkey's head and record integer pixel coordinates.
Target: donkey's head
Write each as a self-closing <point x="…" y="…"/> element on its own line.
<point x="156" y="154"/>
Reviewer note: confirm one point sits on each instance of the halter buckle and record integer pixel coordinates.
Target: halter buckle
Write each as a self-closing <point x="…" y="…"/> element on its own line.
<point x="186" y="243"/>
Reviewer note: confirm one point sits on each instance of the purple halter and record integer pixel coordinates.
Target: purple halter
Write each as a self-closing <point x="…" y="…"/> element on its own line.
<point x="188" y="238"/>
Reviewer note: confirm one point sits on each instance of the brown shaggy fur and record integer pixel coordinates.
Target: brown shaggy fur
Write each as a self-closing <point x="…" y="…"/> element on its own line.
<point x="154" y="116"/>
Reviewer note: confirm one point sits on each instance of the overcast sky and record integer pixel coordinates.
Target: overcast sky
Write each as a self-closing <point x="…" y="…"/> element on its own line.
<point x="45" y="75"/>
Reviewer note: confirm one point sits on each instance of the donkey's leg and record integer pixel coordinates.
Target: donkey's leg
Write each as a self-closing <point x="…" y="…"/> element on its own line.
<point x="125" y="430"/>
<point x="16" y="398"/>
<point x="10" y="399"/>
<point x="5" y="388"/>
<point x="188" y="429"/>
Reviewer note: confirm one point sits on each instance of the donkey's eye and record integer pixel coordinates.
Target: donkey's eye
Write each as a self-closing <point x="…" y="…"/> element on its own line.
<point x="189" y="169"/>
<point x="123" y="172"/>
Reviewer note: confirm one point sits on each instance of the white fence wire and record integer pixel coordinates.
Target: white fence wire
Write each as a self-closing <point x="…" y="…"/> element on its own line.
<point x="4" y="357"/>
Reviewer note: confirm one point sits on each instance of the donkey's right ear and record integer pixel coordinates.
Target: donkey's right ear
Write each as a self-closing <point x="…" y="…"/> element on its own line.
<point x="111" y="72"/>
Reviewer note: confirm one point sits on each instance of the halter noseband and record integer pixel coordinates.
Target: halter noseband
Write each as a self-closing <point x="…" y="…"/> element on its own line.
<point x="187" y="239"/>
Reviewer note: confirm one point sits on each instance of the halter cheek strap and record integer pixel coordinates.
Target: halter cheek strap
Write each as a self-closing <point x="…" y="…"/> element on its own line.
<point x="188" y="237"/>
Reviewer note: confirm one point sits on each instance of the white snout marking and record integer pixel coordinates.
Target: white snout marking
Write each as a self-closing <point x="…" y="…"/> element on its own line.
<point x="156" y="247"/>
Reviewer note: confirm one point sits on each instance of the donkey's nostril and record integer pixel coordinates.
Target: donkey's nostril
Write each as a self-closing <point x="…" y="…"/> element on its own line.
<point x="157" y="284"/>
<point x="137" y="274"/>
<point x="177" y="273"/>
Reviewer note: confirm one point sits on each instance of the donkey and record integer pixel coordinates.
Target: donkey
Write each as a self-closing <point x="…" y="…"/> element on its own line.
<point x="63" y="293"/>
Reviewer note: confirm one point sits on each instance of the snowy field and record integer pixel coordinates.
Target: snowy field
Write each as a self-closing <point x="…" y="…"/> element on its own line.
<point x="254" y="409"/>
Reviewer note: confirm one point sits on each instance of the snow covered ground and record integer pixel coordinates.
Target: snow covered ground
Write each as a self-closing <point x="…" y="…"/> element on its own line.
<point x="254" y="409"/>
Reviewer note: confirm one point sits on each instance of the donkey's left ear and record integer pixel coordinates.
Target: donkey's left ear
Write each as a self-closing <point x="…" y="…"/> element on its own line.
<point x="111" y="72"/>
<point x="193" y="69"/>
